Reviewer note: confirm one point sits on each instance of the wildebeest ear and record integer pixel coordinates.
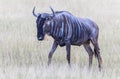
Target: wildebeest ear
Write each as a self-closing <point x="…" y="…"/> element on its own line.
<point x="52" y="11"/>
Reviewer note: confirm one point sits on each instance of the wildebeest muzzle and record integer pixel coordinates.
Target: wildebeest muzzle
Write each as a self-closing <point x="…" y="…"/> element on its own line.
<point x="40" y="38"/>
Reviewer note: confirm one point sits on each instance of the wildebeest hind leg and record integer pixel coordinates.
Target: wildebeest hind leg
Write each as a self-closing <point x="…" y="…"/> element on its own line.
<point x="90" y="53"/>
<point x="52" y="51"/>
<point x="97" y="52"/>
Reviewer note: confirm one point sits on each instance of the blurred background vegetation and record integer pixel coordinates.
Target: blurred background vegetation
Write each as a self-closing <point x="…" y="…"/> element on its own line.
<point x="20" y="48"/>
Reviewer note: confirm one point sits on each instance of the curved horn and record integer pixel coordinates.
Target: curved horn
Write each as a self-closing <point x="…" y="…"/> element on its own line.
<point x="36" y="15"/>
<point x="52" y="11"/>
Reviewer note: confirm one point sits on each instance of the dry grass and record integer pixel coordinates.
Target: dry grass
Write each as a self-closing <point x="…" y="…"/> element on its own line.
<point x="23" y="57"/>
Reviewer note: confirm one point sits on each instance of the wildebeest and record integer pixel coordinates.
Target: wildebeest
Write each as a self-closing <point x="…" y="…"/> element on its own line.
<point x="66" y="30"/>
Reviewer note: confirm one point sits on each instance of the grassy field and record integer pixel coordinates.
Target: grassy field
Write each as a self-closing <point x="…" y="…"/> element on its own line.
<point x="23" y="57"/>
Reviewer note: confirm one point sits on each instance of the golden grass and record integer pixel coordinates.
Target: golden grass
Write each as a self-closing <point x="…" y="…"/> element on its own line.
<point x="23" y="57"/>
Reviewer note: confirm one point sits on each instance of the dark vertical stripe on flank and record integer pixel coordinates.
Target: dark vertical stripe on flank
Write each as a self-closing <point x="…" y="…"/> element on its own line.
<point x="60" y="29"/>
<point x="78" y="29"/>
<point x="52" y="28"/>
<point x="77" y="33"/>
<point x="83" y="30"/>
<point x="66" y="26"/>
<point x="72" y="38"/>
<point x="69" y="29"/>
<point x="60" y="25"/>
<point x="55" y="29"/>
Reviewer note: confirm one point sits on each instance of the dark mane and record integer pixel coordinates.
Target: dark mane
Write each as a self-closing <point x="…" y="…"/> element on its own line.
<point x="63" y="12"/>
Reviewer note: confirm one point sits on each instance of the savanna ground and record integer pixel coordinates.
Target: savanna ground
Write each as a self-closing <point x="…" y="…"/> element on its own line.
<point x="23" y="57"/>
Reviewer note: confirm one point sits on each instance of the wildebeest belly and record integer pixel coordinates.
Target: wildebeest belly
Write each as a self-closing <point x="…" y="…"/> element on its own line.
<point x="80" y="41"/>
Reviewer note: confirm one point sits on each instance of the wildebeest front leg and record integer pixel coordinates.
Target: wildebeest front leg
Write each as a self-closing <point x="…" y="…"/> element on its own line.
<point x="68" y="47"/>
<point x="90" y="53"/>
<point x="52" y="51"/>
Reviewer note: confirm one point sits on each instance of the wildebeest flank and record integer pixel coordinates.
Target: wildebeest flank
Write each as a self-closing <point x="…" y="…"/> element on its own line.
<point x="67" y="30"/>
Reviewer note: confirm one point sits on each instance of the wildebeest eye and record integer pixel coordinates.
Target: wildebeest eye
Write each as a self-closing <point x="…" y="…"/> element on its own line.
<point x="47" y="18"/>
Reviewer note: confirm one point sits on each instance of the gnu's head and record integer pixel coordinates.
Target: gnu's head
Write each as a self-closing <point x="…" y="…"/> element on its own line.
<point x="41" y="18"/>
<point x="40" y="22"/>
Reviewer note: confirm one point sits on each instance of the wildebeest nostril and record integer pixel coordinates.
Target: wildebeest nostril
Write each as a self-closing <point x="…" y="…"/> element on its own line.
<point x="40" y="38"/>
